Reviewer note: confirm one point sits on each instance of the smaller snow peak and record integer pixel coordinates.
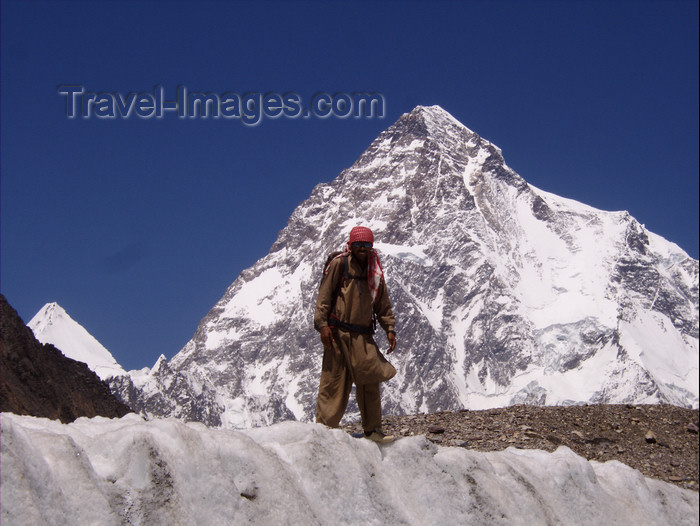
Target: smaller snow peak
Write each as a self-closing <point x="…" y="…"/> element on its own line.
<point x="53" y="325"/>
<point x="53" y="309"/>
<point x="47" y="316"/>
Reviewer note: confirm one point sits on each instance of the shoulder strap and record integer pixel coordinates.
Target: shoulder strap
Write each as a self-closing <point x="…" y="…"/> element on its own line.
<point x="341" y="281"/>
<point x="346" y="267"/>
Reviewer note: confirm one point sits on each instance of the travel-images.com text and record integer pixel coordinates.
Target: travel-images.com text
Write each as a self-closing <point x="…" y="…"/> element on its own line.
<point x="250" y="108"/>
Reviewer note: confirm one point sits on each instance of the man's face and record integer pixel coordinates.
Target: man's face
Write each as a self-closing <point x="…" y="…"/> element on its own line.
<point x="360" y="250"/>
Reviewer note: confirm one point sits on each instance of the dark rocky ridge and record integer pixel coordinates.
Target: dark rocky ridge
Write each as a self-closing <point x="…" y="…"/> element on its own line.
<point x="38" y="380"/>
<point x="661" y="441"/>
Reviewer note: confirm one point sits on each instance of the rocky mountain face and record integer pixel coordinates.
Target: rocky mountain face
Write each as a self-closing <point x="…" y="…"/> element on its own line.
<point x="504" y="294"/>
<point x="37" y="379"/>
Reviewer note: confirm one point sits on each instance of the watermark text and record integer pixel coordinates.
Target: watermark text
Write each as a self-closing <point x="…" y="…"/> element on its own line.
<point x="249" y="108"/>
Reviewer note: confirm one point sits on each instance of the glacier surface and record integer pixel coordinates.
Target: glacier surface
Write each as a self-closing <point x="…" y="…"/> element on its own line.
<point x="132" y="471"/>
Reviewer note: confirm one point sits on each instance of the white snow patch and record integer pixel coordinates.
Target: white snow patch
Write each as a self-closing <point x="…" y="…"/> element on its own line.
<point x="653" y="341"/>
<point x="414" y="254"/>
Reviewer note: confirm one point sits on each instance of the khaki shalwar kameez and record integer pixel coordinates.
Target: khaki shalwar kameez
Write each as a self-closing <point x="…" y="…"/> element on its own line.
<point x="353" y="305"/>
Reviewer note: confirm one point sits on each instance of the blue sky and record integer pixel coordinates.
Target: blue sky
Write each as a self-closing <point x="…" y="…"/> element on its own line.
<point x="136" y="226"/>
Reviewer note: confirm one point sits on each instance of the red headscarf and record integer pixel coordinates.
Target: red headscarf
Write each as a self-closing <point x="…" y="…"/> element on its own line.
<point x="361" y="233"/>
<point x="374" y="268"/>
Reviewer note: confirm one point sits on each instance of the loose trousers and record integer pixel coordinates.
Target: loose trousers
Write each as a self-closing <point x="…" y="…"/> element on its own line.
<point x="336" y="384"/>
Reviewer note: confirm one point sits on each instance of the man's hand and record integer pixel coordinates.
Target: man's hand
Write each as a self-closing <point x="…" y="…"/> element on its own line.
<point x="392" y="341"/>
<point x="327" y="337"/>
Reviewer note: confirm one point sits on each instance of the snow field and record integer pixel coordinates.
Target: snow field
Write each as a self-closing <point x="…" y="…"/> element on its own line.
<point x="131" y="471"/>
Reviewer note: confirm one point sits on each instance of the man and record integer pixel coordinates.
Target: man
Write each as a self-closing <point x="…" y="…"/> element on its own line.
<point x="352" y="294"/>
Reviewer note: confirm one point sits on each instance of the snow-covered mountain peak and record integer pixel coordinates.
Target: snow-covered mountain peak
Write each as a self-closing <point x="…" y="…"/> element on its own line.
<point x="503" y="293"/>
<point x="431" y="121"/>
<point x="438" y="125"/>
<point x="53" y="325"/>
<point x="48" y="315"/>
